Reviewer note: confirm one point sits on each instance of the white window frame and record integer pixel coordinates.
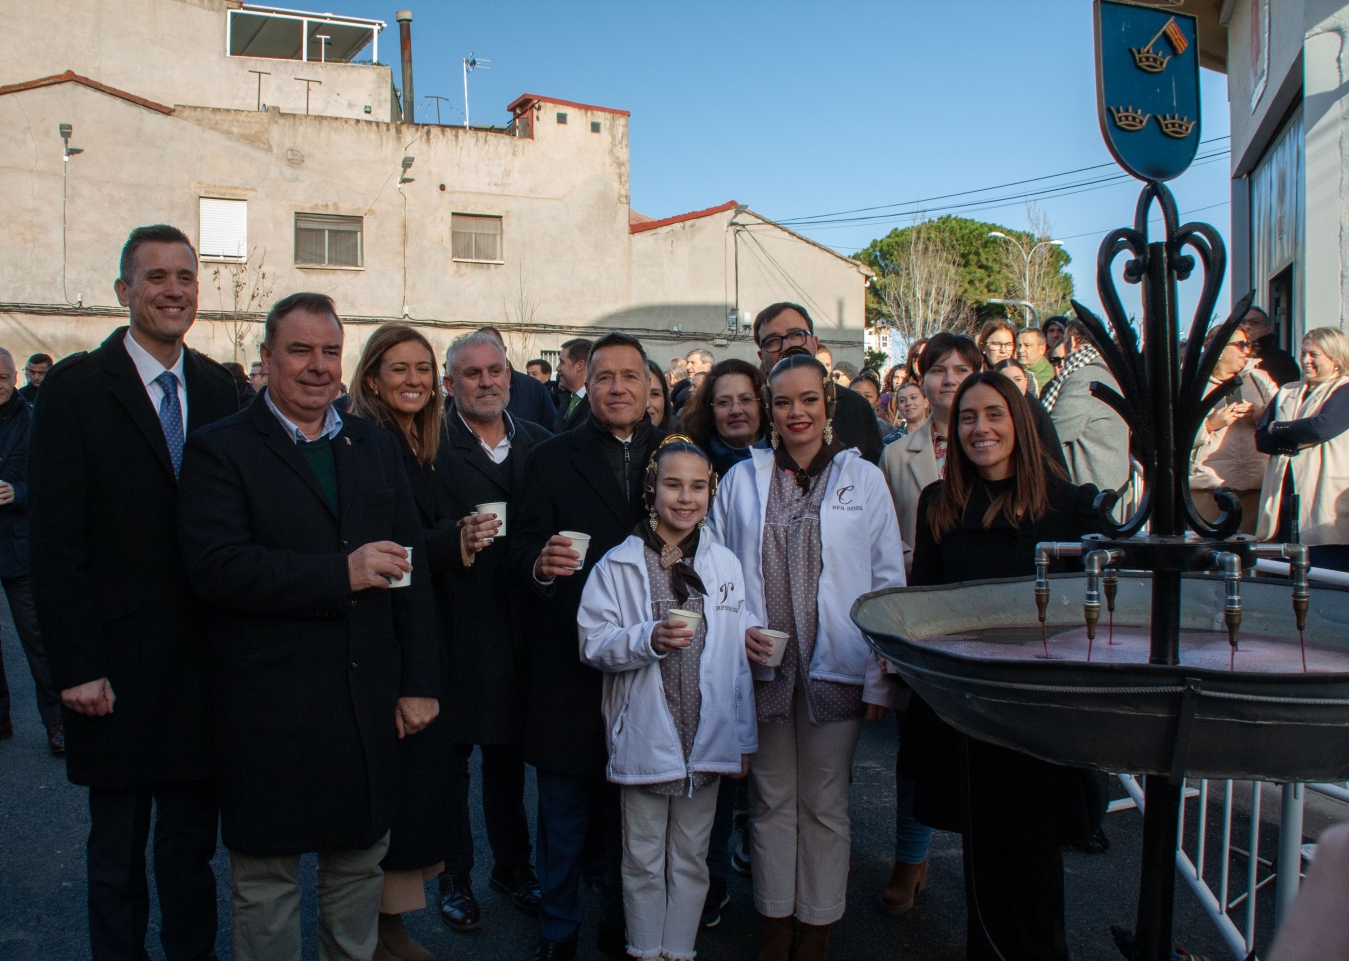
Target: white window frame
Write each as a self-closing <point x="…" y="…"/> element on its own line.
<point x="360" y="241"/>
<point x="219" y="212"/>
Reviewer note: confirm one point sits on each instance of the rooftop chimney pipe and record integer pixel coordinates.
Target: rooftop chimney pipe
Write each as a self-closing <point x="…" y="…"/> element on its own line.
<point x="404" y="18"/>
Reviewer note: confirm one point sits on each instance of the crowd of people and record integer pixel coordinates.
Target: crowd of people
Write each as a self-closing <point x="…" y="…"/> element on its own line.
<point x="284" y="614"/>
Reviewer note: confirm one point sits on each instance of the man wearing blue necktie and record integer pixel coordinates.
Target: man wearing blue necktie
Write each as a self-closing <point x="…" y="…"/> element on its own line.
<point x="120" y="624"/>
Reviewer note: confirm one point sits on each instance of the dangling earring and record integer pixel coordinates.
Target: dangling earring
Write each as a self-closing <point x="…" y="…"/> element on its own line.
<point x="702" y="523"/>
<point x="654" y="522"/>
<point x="829" y="431"/>
<point x="773" y="437"/>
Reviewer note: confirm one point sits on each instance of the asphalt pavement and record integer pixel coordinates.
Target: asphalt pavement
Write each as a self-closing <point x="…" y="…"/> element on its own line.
<point x="44" y="823"/>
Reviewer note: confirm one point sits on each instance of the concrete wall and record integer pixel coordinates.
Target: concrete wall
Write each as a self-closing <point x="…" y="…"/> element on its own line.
<point x="175" y="52"/>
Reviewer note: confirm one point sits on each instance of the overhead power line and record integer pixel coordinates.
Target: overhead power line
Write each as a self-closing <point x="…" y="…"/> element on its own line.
<point x="915" y="206"/>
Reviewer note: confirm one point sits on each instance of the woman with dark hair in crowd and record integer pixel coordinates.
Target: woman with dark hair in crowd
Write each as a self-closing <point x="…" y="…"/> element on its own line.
<point x="658" y="406"/>
<point x="997" y="341"/>
<point x="916" y="461"/>
<point x="813" y="527"/>
<point x="1044" y="424"/>
<point x="868" y="384"/>
<point x="725" y="416"/>
<point x="983" y="520"/>
<point x="397" y="385"/>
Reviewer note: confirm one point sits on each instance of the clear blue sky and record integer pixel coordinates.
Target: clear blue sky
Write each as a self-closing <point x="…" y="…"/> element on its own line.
<point x="799" y="109"/>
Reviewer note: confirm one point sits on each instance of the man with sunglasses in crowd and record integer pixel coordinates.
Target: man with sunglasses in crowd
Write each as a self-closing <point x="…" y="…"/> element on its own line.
<point x="783" y="325"/>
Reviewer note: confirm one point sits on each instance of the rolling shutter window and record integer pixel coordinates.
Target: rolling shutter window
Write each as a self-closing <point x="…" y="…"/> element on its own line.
<point x="224" y="229"/>
<point x="476" y="238"/>
<point x="326" y="240"/>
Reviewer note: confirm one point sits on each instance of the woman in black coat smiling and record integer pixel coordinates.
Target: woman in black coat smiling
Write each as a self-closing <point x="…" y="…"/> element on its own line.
<point x="396" y="385"/>
<point x="999" y="498"/>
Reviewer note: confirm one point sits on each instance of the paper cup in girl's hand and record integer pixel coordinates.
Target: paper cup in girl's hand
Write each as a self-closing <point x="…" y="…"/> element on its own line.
<point x="499" y="509"/>
<point x="579" y="543"/>
<point x="779" y="639"/>
<point x="690" y="618"/>
<point x="406" y="579"/>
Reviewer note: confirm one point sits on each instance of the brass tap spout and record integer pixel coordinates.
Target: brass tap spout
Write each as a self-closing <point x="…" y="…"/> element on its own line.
<point x="1044" y="552"/>
<point x="1230" y="565"/>
<point x="1299" y="564"/>
<point x="1096" y="562"/>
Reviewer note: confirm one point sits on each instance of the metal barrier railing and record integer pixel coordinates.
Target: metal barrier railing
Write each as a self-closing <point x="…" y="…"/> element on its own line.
<point x="1220" y="904"/>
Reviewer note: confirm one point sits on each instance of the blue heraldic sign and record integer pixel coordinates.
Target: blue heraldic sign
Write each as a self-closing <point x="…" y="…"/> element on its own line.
<point x="1147" y="88"/>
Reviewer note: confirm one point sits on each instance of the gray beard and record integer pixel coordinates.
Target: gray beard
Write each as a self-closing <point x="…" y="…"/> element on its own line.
<point x="483" y="414"/>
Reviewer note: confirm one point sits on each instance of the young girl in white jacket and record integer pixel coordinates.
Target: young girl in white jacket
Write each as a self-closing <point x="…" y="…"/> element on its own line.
<point x="678" y="698"/>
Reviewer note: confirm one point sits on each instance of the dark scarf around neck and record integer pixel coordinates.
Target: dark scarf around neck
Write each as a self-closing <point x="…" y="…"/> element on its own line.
<point x="823" y="458"/>
<point x="677" y="559"/>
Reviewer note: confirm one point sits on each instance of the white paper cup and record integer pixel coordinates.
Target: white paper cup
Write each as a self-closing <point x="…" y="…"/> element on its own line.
<point x="499" y="509"/>
<point x="690" y="618"/>
<point x="579" y="543"/>
<point x="779" y="639"/>
<point x="406" y="579"/>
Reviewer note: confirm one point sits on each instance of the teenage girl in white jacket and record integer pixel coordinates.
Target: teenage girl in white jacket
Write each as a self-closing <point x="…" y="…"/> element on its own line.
<point x="813" y="525"/>
<point x="678" y="702"/>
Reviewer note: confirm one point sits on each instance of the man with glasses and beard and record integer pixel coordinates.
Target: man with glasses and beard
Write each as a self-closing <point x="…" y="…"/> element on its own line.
<point x="482" y="460"/>
<point x="784" y="325"/>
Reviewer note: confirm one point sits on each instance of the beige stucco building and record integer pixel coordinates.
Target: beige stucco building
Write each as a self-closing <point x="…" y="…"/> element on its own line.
<point x="527" y="226"/>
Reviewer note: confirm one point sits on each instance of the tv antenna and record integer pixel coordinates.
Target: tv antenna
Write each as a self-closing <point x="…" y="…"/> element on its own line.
<point x="437" y="98"/>
<point x="471" y="63"/>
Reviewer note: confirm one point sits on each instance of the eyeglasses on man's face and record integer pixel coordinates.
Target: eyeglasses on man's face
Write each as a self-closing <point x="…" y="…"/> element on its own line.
<point x="775" y="343"/>
<point x="1056" y="361"/>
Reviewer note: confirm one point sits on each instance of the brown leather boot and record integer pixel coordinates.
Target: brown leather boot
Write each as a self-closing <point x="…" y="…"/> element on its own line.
<point x="813" y="944"/>
<point x="777" y="939"/>
<point x="906" y="883"/>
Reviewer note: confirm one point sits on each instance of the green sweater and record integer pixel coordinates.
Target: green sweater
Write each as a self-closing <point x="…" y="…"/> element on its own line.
<point x="1044" y="373"/>
<point x="319" y="454"/>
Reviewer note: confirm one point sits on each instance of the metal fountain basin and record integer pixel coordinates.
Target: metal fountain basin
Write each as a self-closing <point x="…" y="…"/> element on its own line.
<point x="1134" y="717"/>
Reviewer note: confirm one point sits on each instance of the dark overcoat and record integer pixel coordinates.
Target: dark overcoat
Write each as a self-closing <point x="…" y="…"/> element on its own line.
<point x="491" y="611"/>
<point x="15" y="434"/>
<point x="531" y="400"/>
<point x="569" y="485"/>
<point x="306" y="673"/>
<point x="579" y="415"/>
<point x="1014" y="795"/>
<point x="422" y="829"/>
<point x="112" y="597"/>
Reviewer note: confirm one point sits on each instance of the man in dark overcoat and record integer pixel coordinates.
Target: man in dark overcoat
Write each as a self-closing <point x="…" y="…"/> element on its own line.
<point x="481" y="459"/>
<point x="114" y="606"/>
<point x="588" y="480"/>
<point x="15" y="434"/>
<point x="293" y="521"/>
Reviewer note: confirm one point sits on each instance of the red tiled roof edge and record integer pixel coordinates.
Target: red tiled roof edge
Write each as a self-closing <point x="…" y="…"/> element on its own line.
<point x="70" y="76"/>
<point x="518" y="101"/>
<point x="691" y="215"/>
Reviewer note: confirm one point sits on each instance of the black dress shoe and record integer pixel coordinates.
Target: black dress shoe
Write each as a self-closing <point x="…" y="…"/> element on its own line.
<point x="519" y="884"/>
<point x="613" y="940"/>
<point x="458" y="907"/>
<point x="554" y="951"/>
<point x="56" y="739"/>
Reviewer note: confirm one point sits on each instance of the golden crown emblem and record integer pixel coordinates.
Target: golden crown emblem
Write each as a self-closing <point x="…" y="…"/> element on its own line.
<point x="1175" y="126"/>
<point x="1148" y="60"/>
<point x="1129" y="118"/>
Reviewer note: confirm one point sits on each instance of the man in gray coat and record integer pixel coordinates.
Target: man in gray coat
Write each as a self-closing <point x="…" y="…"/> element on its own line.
<point x="1095" y="439"/>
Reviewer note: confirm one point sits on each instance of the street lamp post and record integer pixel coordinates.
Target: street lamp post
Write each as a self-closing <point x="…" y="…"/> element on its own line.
<point x="1026" y="255"/>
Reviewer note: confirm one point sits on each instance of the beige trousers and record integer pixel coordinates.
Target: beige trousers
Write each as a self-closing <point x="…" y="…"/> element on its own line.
<point x="267" y="904"/>
<point x="665" y="869"/>
<point x="800" y="836"/>
<point x="405" y="891"/>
